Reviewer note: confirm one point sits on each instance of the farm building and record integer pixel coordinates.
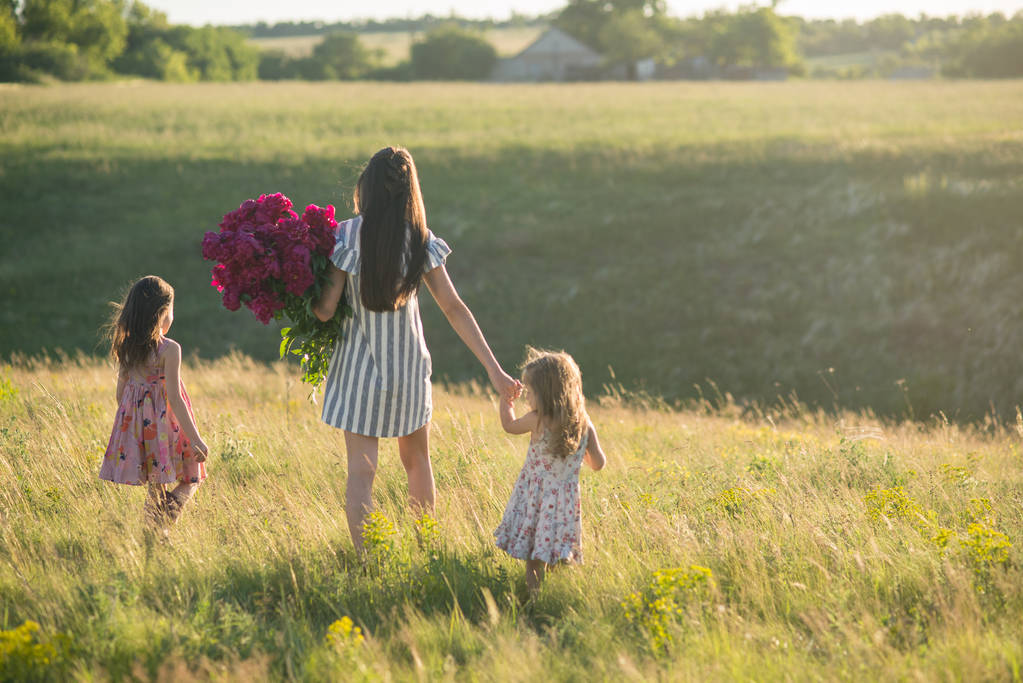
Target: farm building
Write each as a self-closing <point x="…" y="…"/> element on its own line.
<point x="554" y="56"/>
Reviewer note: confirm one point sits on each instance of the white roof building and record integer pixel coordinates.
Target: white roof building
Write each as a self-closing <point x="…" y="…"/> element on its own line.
<point x="554" y="56"/>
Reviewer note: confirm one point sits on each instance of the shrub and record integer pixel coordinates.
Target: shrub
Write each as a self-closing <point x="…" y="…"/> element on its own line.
<point x="452" y="53"/>
<point x="35" y="59"/>
<point x="26" y="655"/>
<point x="661" y="604"/>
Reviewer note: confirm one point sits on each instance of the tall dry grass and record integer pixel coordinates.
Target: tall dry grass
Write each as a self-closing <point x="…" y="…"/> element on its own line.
<point x="809" y="546"/>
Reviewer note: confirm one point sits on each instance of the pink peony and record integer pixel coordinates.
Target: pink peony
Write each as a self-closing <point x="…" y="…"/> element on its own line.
<point x="264" y="305"/>
<point x="322" y="227"/>
<point x="264" y="254"/>
<point x="273" y="207"/>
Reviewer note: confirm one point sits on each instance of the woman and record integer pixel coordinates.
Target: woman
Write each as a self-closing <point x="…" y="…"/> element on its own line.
<point x="378" y="384"/>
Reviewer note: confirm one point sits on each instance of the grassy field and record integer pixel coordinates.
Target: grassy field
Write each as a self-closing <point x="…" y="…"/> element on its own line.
<point x="855" y="243"/>
<point x="395" y="46"/>
<point x="807" y="547"/>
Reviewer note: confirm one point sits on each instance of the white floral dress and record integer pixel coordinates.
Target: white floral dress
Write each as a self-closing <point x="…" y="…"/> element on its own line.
<point x="542" y="520"/>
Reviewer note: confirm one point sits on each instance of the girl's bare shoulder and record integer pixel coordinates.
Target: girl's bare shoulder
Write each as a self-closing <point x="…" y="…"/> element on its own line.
<point x="168" y="348"/>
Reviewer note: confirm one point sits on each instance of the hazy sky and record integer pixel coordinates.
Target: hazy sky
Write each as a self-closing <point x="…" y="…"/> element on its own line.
<point x="250" y="11"/>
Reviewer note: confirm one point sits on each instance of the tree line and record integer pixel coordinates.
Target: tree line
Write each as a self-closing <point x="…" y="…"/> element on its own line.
<point x="95" y="39"/>
<point x="76" y="40"/>
<point x="421" y="24"/>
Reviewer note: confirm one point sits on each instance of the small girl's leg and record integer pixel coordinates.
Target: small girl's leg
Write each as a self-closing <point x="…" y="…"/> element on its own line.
<point x="155" y="507"/>
<point x="177" y="498"/>
<point x="534" y="574"/>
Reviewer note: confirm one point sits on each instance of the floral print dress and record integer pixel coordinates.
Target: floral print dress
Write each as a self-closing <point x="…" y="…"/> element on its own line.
<point x="542" y="520"/>
<point x="146" y="444"/>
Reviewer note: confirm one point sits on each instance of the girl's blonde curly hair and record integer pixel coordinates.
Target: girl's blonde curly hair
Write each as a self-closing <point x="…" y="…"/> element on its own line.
<point x="555" y="379"/>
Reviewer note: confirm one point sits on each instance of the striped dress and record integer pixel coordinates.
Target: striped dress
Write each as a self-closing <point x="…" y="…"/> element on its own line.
<point x="378" y="383"/>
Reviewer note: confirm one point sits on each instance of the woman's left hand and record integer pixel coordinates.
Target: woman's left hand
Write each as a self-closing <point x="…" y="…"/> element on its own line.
<point x="505" y="385"/>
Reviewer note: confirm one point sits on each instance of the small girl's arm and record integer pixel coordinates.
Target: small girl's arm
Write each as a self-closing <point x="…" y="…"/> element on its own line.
<point x="172" y="370"/>
<point x="594" y="453"/>
<point x="326" y="305"/>
<point x="526" y="423"/>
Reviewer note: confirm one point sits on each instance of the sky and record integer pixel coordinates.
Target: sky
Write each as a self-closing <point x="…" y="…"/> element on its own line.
<point x="199" y="12"/>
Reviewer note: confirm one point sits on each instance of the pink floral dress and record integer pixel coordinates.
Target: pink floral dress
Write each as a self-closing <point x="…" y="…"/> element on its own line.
<point x="146" y="444"/>
<point x="542" y="520"/>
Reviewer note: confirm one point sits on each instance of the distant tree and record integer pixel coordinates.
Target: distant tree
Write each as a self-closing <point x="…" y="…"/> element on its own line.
<point x="148" y="53"/>
<point x="97" y="28"/>
<point x="274" y="65"/>
<point x="156" y="59"/>
<point x="890" y="32"/>
<point x="452" y="53"/>
<point x="344" y="56"/>
<point x="9" y="34"/>
<point x="753" y="37"/>
<point x="217" y="54"/>
<point x="995" y="51"/>
<point x="587" y="20"/>
<point x="829" y="37"/>
<point x="629" y="37"/>
<point x="46" y="20"/>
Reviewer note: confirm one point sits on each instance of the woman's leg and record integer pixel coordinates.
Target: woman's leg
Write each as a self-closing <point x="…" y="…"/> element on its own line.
<point x="534" y="574"/>
<point x="362" y="467"/>
<point x="414" y="451"/>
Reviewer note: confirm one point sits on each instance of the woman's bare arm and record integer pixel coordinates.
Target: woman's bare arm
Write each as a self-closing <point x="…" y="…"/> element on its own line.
<point x="464" y="324"/>
<point x="325" y="307"/>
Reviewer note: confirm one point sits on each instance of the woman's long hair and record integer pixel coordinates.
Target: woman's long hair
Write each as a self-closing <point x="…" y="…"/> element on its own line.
<point x="135" y="329"/>
<point x="393" y="235"/>
<point x="555" y="379"/>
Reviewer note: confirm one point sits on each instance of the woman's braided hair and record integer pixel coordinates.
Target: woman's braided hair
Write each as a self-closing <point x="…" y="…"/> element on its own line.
<point x="393" y="236"/>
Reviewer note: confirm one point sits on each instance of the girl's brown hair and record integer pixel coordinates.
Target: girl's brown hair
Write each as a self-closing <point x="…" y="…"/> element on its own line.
<point x="135" y="329"/>
<point x="393" y="235"/>
<point x="555" y="379"/>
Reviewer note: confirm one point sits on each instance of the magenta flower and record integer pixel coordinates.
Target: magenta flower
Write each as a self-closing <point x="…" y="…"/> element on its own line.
<point x="264" y="255"/>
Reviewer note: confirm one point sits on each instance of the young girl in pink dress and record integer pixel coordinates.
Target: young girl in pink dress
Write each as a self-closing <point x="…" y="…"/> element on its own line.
<point x="154" y="440"/>
<point x="542" y="522"/>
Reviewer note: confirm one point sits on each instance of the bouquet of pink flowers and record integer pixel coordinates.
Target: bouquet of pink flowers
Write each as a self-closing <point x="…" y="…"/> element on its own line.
<point x="276" y="262"/>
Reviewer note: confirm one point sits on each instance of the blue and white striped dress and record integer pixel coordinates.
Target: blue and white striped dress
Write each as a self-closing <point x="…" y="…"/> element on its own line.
<point x="378" y="383"/>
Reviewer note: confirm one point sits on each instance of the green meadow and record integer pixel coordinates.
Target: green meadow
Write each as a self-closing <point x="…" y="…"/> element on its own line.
<point x="796" y="307"/>
<point x="800" y="545"/>
<point x="848" y="244"/>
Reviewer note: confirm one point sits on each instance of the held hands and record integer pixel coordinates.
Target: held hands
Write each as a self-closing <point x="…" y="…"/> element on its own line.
<point x="512" y="392"/>
<point x="508" y="388"/>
